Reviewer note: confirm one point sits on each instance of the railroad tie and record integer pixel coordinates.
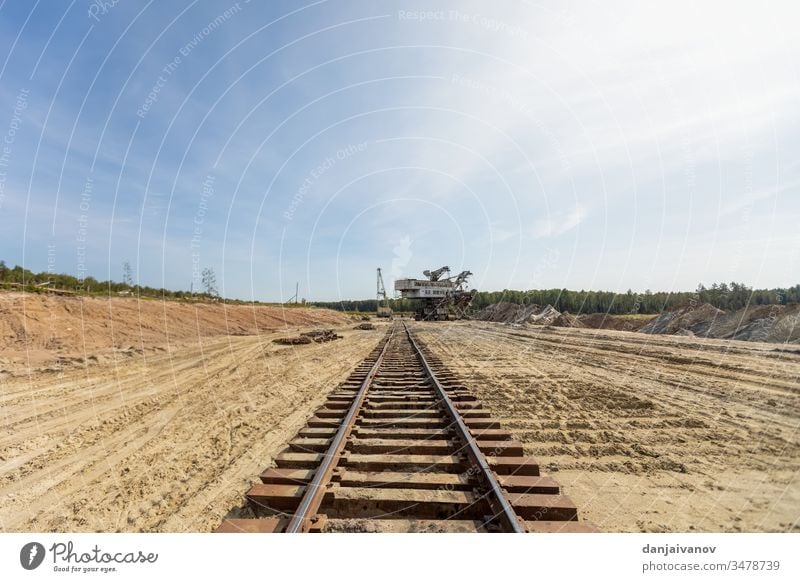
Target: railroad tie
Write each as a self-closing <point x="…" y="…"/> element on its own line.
<point x="402" y="445"/>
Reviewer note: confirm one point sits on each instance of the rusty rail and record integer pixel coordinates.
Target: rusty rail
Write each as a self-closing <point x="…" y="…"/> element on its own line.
<point x="495" y="495"/>
<point x="403" y="445"/>
<point x="302" y="520"/>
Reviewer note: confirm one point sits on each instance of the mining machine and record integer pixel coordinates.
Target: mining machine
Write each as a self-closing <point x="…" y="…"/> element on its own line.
<point x="438" y="297"/>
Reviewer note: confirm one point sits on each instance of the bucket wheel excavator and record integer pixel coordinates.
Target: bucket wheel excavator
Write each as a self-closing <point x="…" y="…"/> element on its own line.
<point x="438" y="297"/>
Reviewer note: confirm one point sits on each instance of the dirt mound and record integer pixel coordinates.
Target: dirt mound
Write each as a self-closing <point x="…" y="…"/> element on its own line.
<point x="505" y="312"/>
<point x="513" y="313"/>
<point x="566" y="320"/>
<point x="616" y="322"/>
<point x="687" y="317"/>
<point x="547" y="315"/>
<point x="762" y="323"/>
<point x="36" y="329"/>
<point x="502" y="312"/>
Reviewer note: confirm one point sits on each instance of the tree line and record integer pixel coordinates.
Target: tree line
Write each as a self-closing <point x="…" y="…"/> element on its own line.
<point x="726" y="296"/>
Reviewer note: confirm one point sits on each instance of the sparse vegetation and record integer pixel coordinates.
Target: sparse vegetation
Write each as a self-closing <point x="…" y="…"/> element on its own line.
<point x="19" y="279"/>
<point x="727" y="296"/>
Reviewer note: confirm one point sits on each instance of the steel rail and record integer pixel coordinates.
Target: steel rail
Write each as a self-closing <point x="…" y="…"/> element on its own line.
<point x="500" y="504"/>
<point x="315" y="491"/>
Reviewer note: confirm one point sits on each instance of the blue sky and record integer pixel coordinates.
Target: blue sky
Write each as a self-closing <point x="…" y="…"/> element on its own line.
<point x="549" y="144"/>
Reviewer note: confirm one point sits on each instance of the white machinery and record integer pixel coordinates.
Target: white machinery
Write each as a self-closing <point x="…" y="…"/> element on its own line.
<point x="439" y="298"/>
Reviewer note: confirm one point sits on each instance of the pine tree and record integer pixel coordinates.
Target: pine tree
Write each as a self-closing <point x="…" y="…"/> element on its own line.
<point x="209" y="281"/>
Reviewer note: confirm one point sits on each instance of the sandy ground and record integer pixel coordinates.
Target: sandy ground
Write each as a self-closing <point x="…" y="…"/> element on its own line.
<point x="158" y="442"/>
<point x="646" y="433"/>
<point x="52" y="333"/>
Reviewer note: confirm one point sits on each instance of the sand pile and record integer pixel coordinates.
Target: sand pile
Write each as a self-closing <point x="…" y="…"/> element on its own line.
<point x="502" y="312"/>
<point x="566" y="320"/>
<point x="547" y="315"/>
<point x="505" y="312"/>
<point x="682" y="318"/>
<point x="762" y="323"/>
<point x="616" y="322"/>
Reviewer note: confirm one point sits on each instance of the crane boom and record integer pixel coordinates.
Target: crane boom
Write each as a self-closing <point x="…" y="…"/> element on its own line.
<point x="383" y="310"/>
<point x="437" y="274"/>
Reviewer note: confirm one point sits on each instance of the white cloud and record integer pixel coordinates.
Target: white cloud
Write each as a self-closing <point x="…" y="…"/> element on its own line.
<point x="751" y="198"/>
<point x="559" y="223"/>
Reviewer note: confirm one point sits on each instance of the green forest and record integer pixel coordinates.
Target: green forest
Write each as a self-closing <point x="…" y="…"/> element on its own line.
<point x="727" y="296"/>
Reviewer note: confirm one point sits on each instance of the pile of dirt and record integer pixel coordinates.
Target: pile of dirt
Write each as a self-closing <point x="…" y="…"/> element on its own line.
<point x="365" y="326"/>
<point x="38" y="329"/>
<point x="566" y="320"/>
<point x="615" y="322"/>
<point x="502" y="312"/>
<point x="761" y="323"/>
<point x="513" y="313"/>
<point x="683" y="318"/>
<point x="547" y="315"/>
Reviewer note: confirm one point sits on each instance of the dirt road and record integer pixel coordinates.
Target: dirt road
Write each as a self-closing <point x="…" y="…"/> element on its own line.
<point x="162" y="442"/>
<point x="647" y="433"/>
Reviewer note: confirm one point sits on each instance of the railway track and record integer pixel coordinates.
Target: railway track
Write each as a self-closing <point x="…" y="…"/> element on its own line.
<point x="402" y="445"/>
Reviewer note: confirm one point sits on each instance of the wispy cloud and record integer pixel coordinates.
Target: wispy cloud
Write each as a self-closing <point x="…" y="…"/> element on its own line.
<point x="750" y="198"/>
<point x="559" y="223"/>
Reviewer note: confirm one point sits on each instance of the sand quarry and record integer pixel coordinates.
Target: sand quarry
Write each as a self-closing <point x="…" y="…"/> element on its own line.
<point x="126" y="415"/>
